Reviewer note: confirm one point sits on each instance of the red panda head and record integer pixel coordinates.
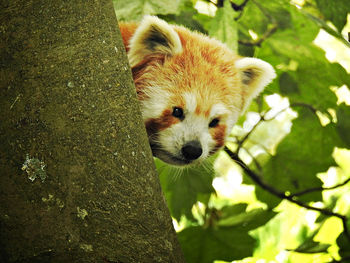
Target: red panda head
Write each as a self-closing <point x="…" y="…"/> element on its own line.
<point x="192" y="89"/>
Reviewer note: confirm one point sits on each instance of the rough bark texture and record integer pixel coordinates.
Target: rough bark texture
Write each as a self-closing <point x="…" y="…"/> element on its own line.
<point x="78" y="182"/>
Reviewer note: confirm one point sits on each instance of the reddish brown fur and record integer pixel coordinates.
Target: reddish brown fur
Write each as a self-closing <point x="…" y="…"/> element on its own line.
<point x="161" y="123"/>
<point x="173" y="66"/>
<point x="218" y="134"/>
<point x="127" y="30"/>
<point x="139" y="70"/>
<point x="210" y="61"/>
<point x="200" y="111"/>
<point x="203" y="68"/>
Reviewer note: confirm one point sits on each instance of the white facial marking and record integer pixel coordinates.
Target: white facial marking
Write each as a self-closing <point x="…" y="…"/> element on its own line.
<point x="192" y="128"/>
<point x="190" y="102"/>
<point x="156" y="102"/>
<point x="218" y="109"/>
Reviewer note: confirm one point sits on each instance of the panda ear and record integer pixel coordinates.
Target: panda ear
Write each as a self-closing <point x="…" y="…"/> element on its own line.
<point x="255" y="75"/>
<point x="153" y="36"/>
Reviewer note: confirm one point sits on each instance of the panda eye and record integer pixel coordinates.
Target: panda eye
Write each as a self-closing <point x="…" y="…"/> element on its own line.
<point x="178" y="113"/>
<point x="214" y="123"/>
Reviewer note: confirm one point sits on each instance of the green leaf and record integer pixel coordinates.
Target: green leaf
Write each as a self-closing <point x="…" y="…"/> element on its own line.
<point x="312" y="247"/>
<point x="233" y="210"/>
<point x="204" y="245"/>
<point x="183" y="187"/>
<point x="343" y="243"/>
<point x="336" y="11"/>
<point x="186" y="17"/>
<point x="314" y="74"/>
<point x="224" y="27"/>
<point x="316" y="79"/>
<point x="136" y="9"/>
<point x="294" y="44"/>
<point x="258" y="15"/>
<point x="278" y="11"/>
<point x="250" y="220"/>
<point x="321" y="23"/>
<point x="331" y="204"/>
<point x="287" y="84"/>
<point x="306" y="151"/>
<point x="343" y="123"/>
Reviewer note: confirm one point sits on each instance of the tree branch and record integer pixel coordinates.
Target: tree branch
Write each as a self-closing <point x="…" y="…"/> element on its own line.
<point x="316" y="189"/>
<point x="256" y="178"/>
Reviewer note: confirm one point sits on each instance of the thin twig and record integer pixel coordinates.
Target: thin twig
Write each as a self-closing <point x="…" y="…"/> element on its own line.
<point x="316" y="189"/>
<point x="312" y="108"/>
<point x="259" y="41"/>
<point x="257" y="164"/>
<point x="240" y="142"/>
<point x="262" y="118"/>
<point x="220" y="3"/>
<point x="305" y="105"/>
<point x="266" y="12"/>
<point x="282" y="195"/>
<point x="268" y="32"/>
<point x="239" y="7"/>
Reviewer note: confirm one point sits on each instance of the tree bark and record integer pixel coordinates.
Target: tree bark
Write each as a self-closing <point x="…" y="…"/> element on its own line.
<point x="78" y="182"/>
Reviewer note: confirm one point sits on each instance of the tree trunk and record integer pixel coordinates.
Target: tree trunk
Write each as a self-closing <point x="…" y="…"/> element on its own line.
<point x="78" y="183"/>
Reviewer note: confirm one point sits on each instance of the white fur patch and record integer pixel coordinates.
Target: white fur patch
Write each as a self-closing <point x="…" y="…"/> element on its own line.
<point x="155" y="104"/>
<point x="192" y="128"/>
<point x="190" y="101"/>
<point x="218" y="109"/>
<point x="138" y="42"/>
<point x="261" y="74"/>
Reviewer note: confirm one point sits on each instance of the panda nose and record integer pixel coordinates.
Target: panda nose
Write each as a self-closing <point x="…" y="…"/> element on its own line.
<point x="192" y="150"/>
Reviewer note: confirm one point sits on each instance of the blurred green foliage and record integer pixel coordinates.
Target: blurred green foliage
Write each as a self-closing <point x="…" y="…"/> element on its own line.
<point x="213" y="226"/>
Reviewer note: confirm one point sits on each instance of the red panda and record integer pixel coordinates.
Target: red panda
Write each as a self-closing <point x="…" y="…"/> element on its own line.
<point x="192" y="88"/>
